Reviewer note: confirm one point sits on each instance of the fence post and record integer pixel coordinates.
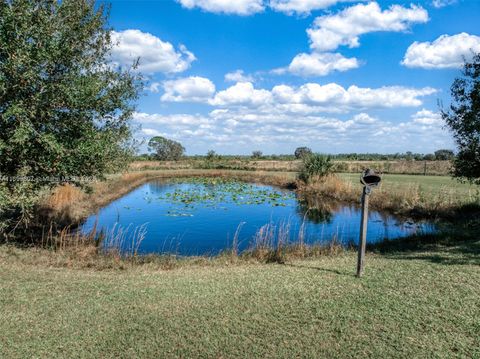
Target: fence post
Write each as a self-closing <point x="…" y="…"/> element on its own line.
<point x="363" y="232"/>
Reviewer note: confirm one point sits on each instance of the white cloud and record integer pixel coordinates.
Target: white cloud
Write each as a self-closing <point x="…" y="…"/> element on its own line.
<point x="445" y="52"/>
<point x="173" y="121"/>
<point x="307" y="98"/>
<point x="238" y="76"/>
<point x="189" y="89"/>
<point x="345" y="27"/>
<point x="234" y="130"/>
<point x="154" y="54"/>
<point x="442" y="3"/>
<point x="237" y="7"/>
<point x="319" y="64"/>
<point x="154" y="87"/>
<point x="242" y="93"/>
<point x="427" y="117"/>
<point x="151" y="132"/>
<point x="334" y="95"/>
<point x="290" y="7"/>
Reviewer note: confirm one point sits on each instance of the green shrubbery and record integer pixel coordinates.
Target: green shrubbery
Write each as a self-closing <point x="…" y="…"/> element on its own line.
<point x="315" y="166"/>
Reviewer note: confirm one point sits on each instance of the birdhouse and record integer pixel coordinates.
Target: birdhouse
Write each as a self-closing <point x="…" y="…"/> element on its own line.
<point x="369" y="178"/>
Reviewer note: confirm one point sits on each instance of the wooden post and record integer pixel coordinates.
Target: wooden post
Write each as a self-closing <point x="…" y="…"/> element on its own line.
<point x="363" y="232"/>
<point x="425" y="168"/>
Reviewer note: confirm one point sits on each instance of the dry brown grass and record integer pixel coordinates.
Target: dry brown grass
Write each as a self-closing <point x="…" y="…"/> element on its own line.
<point x="393" y="167"/>
<point x="63" y="196"/>
<point x="403" y="200"/>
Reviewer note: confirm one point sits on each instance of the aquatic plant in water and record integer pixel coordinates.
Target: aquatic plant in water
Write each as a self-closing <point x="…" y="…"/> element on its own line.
<point x="216" y="193"/>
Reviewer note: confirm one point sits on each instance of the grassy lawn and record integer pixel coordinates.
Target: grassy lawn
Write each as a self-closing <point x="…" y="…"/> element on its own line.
<point x="415" y="304"/>
<point x="427" y="184"/>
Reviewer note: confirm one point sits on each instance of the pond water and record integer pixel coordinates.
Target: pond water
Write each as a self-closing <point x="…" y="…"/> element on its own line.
<point x="203" y="216"/>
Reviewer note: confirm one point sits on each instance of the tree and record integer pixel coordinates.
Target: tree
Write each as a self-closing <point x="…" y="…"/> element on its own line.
<point x="64" y="110"/>
<point x="211" y="155"/>
<point x="257" y="154"/>
<point x="429" y="157"/>
<point x="165" y="149"/>
<point x="444" y="155"/>
<point x="463" y="119"/>
<point x="301" y="152"/>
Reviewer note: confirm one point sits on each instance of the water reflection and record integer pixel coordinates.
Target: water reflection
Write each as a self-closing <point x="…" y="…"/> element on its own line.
<point x="202" y="216"/>
<point x="316" y="210"/>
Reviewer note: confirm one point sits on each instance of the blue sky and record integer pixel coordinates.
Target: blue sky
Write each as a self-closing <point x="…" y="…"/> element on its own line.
<point x="272" y="75"/>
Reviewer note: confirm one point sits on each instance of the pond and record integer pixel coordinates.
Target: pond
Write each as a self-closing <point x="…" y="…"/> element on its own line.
<point x="205" y="216"/>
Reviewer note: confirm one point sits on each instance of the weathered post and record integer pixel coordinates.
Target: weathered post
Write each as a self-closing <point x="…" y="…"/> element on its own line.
<point x="363" y="232"/>
<point x="369" y="179"/>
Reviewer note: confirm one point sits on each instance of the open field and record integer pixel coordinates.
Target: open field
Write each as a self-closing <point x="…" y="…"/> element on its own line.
<point x="427" y="184"/>
<point x="398" y="167"/>
<point x="423" y="303"/>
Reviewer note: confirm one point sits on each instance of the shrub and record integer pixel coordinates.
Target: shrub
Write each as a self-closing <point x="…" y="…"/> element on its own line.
<point x="302" y="152"/>
<point x="257" y="154"/>
<point x="315" y="166"/>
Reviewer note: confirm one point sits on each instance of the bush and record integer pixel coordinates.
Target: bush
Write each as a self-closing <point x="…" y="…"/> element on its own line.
<point x="444" y="155"/>
<point x="257" y="154"/>
<point x="315" y="166"/>
<point x="302" y="152"/>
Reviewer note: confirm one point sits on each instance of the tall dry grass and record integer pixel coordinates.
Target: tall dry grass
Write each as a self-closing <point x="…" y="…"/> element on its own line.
<point x="391" y="167"/>
<point x="407" y="200"/>
<point x="276" y="243"/>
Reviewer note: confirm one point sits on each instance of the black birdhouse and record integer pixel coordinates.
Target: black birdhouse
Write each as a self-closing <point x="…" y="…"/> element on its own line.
<point x="369" y="178"/>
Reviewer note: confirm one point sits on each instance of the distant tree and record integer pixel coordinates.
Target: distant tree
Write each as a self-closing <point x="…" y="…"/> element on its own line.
<point x="211" y="155"/>
<point x="444" y="155"/>
<point x="301" y="152"/>
<point x="429" y="157"/>
<point x="64" y="110"/>
<point x="257" y="154"/>
<point x="463" y="119"/>
<point x="165" y="149"/>
<point x="409" y="156"/>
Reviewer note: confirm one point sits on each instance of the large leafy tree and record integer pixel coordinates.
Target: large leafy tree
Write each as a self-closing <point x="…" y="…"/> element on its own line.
<point x="64" y="110"/>
<point x="165" y="149"/>
<point x="463" y="119"/>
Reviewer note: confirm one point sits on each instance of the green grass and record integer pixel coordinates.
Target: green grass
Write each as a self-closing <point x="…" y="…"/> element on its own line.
<point x="415" y="304"/>
<point x="427" y="184"/>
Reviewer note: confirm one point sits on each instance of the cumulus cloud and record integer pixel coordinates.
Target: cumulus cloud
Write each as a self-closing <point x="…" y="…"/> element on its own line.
<point x="344" y="28"/>
<point x="238" y="76"/>
<point x="319" y="64"/>
<point x="235" y="129"/>
<point x="175" y="120"/>
<point x="154" y="54"/>
<point x="189" y="89"/>
<point x="154" y="87"/>
<point x="315" y="98"/>
<point x="237" y="7"/>
<point x="445" y="52"/>
<point x="427" y="117"/>
<point x="242" y="93"/>
<point x="290" y="7"/>
<point x="442" y="3"/>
